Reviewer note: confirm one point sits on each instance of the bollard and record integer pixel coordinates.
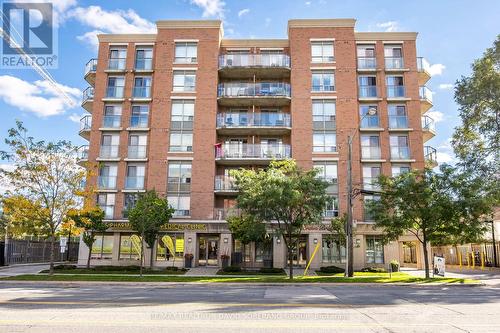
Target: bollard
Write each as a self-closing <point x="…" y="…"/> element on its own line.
<point x="460" y="259"/>
<point x="468" y="260"/>
<point x="482" y="261"/>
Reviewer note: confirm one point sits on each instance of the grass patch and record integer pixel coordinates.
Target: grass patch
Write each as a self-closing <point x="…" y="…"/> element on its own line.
<point x="358" y="278"/>
<point x="72" y="269"/>
<point x="263" y="271"/>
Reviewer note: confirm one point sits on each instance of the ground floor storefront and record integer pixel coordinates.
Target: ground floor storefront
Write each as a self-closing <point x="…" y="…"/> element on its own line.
<point x="207" y="243"/>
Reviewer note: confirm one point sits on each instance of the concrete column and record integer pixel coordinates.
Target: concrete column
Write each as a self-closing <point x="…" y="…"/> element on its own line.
<point x="226" y="245"/>
<point x="316" y="261"/>
<point x="191" y="247"/>
<point x="116" y="249"/>
<point x="83" y="252"/>
<point x="279" y="253"/>
<point x="359" y="251"/>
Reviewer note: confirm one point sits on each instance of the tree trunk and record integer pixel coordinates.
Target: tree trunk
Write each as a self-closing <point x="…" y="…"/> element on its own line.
<point x="151" y="258"/>
<point x="52" y="245"/>
<point x="426" y="258"/>
<point x="90" y="253"/>
<point x="142" y="253"/>
<point x="290" y="255"/>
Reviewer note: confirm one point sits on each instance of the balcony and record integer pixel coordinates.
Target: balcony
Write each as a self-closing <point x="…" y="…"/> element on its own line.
<point x="109" y="152"/>
<point x="106" y="182"/>
<point x="400" y="153"/>
<point x="396" y="92"/>
<point x="88" y="99"/>
<point x="394" y="63"/>
<point x="82" y="155"/>
<point x="264" y="123"/>
<point x="138" y="122"/>
<point x="367" y="63"/>
<point x="221" y="214"/>
<point x="134" y="182"/>
<point x="137" y="152"/>
<point x="85" y="126"/>
<point x="430" y="156"/>
<point x="263" y="66"/>
<point x="425" y="99"/>
<point x="116" y="64"/>
<point x="224" y="185"/>
<point x="112" y="122"/>
<point x="368" y="92"/>
<point x="263" y="93"/>
<point x="423" y="68"/>
<point x="90" y="70"/>
<point x="243" y="153"/>
<point x="428" y="128"/>
<point x="398" y="122"/>
<point x="370" y="153"/>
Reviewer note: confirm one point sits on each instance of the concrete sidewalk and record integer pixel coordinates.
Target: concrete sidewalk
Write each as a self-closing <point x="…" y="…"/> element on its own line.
<point x="487" y="277"/>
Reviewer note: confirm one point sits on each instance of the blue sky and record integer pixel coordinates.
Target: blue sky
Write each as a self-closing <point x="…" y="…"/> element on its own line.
<point x="451" y="35"/>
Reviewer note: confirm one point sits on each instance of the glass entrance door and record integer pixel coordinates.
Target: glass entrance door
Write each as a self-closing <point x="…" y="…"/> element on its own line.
<point x="300" y="252"/>
<point x="208" y="251"/>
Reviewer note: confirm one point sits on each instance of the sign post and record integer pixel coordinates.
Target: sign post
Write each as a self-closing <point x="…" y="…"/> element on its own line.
<point x="439" y="266"/>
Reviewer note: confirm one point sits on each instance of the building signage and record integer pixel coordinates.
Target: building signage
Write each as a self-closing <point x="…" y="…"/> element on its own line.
<point x="439" y="266"/>
<point x="165" y="227"/>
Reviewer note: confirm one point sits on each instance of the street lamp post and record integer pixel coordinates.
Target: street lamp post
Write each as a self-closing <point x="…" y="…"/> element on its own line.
<point x="349" y="272"/>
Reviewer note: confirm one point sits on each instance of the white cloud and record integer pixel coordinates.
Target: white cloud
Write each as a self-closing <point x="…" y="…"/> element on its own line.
<point x="389" y="26"/>
<point x="75" y="118"/>
<point x="308" y="3"/>
<point x="39" y="97"/>
<point x="59" y="8"/>
<point x="4" y="183"/>
<point x="114" y="22"/>
<point x="211" y="7"/>
<point x="436" y="115"/>
<point x="436" y="69"/>
<point x="446" y="86"/>
<point x="445" y="153"/>
<point x="243" y="12"/>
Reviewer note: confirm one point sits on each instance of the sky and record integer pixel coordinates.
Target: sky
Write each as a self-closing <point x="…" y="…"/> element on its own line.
<point x="452" y="33"/>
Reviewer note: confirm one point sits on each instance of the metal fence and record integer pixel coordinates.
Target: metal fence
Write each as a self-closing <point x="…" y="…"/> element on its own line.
<point x="465" y="253"/>
<point x="36" y="251"/>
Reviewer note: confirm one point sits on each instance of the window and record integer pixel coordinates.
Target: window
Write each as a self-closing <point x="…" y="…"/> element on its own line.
<point x="112" y="116"/>
<point x="102" y="247"/>
<point x="130" y="247"/>
<point x="106" y="201"/>
<point x="179" y="176"/>
<point x="328" y="172"/>
<point x="323" y="81"/>
<point x="107" y="176"/>
<point x="324" y="142"/>
<point x="129" y="202"/>
<point x="263" y="250"/>
<point x="182" y="115"/>
<point x="186" y="52"/>
<point x="371" y="172"/>
<point x="366" y="207"/>
<point x="398" y="169"/>
<point x="170" y="247"/>
<point x="115" y="88"/>
<point x="367" y="86"/>
<point x="184" y="81"/>
<point x="332" y="208"/>
<point x="323" y="114"/>
<point x="142" y="87"/>
<point x="322" y="51"/>
<point x="109" y="146"/>
<point x="181" y="141"/>
<point x="181" y="203"/>
<point x="137" y="146"/>
<point x="368" y="121"/>
<point x="332" y="250"/>
<point x="397" y="116"/>
<point x="366" y="57"/>
<point x="144" y="59"/>
<point x="395" y="86"/>
<point x="393" y="56"/>
<point x="117" y="58"/>
<point x="399" y="147"/>
<point x="374" y="250"/>
<point x="370" y="147"/>
<point x="139" y="117"/>
<point x="135" y="176"/>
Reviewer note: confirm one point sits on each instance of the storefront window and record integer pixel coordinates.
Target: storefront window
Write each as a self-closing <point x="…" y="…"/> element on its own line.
<point x="263" y="251"/>
<point x="170" y="247"/>
<point x="333" y="251"/>
<point x="374" y="250"/>
<point x="102" y="247"/>
<point x="130" y="247"/>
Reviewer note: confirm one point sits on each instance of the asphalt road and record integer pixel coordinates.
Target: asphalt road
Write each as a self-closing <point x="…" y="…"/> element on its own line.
<point x="247" y="308"/>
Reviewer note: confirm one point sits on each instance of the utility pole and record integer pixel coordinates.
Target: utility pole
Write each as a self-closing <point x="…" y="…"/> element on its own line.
<point x="495" y="259"/>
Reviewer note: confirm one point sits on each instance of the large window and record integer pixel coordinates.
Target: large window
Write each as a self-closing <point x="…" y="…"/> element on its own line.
<point x="109" y="146"/>
<point x="323" y="81"/>
<point x="170" y="247"/>
<point x="107" y="176"/>
<point x="400" y="149"/>
<point x="397" y="116"/>
<point x="395" y="86"/>
<point x="370" y="147"/>
<point x="106" y="201"/>
<point x="179" y="176"/>
<point x="135" y="176"/>
<point x="328" y="172"/>
<point x="368" y="216"/>
<point x="366" y="57"/>
<point x="333" y="251"/>
<point x="181" y="203"/>
<point x="332" y="208"/>
<point x="323" y="114"/>
<point x="144" y="58"/>
<point x="322" y="51"/>
<point x="129" y="202"/>
<point x="117" y="58"/>
<point x="142" y="87"/>
<point x="112" y="116"/>
<point x="367" y="86"/>
<point x="182" y="114"/>
<point x="324" y="142"/>
<point x="116" y="84"/>
<point x="181" y="141"/>
<point x="398" y="169"/>
<point x="374" y="250"/>
<point x="102" y="247"/>
<point x="184" y="81"/>
<point x="137" y="146"/>
<point x="368" y="121"/>
<point x="393" y="56"/>
<point x="186" y="52"/>
<point x="130" y="247"/>
<point x="371" y="172"/>
<point x="140" y="115"/>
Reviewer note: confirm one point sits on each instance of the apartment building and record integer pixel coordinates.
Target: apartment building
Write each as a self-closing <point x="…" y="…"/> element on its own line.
<point x="175" y="111"/>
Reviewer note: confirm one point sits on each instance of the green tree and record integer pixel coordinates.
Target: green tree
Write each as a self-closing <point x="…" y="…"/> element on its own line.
<point x="285" y="194"/>
<point x="46" y="173"/>
<point x="24" y="217"/>
<point x="477" y="140"/>
<point x="91" y="221"/>
<point x="147" y="216"/>
<point x="246" y="229"/>
<point x="432" y="205"/>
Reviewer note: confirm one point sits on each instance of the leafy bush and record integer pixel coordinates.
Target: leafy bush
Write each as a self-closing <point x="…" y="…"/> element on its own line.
<point x="394" y="265"/>
<point x="374" y="270"/>
<point x="331" y="269"/>
<point x="231" y="269"/>
<point x="267" y="270"/>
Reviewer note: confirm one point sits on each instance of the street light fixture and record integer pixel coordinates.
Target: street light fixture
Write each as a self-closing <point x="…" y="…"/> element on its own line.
<point x="349" y="271"/>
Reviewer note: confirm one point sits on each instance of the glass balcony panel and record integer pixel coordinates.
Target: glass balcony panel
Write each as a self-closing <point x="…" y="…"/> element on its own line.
<point x="263" y="89"/>
<point x="144" y="64"/>
<point x="253" y="151"/>
<point x="85" y="123"/>
<point x="370" y="122"/>
<point x="142" y="92"/>
<point x="136" y="182"/>
<point x="425" y="93"/>
<point x="367" y="63"/>
<point x="139" y="121"/>
<point x="254" y="60"/>
<point x="428" y="123"/>
<point x="394" y="63"/>
<point x="106" y="182"/>
<point x="88" y="94"/>
<point x="423" y="65"/>
<point x="115" y="92"/>
<point x="138" y="151"/>
<point x="91" y="66"/>
<point x="109" y="151"/>
<point x="400" y="153"/>
<point x="370" y="153"/>
<point x="395" y="91"/>
<point x="224" y="183"/>
<point x="116" y="63"/>
<point x="367" y="91"/>
<point x="113" y="121"/>
<point x="398" y="122"/>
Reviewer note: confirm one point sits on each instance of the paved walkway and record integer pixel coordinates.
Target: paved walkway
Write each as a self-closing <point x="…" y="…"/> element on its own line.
<point x="202" y="271"/>
<point x="22" y="269"/>
<point x="487" y="277"/>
